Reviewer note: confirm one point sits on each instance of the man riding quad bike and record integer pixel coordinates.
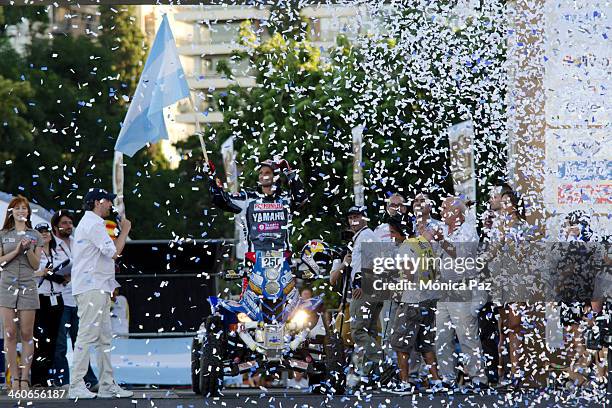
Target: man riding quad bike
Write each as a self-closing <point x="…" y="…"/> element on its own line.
<point x="271" y="328"/>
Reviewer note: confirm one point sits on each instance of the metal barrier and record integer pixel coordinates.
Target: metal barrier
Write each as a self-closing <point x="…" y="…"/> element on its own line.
<point x="154" y="335"/>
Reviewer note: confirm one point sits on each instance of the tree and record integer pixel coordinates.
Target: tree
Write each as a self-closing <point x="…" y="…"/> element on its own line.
<point x="70" y="139"/>
<point x="127" y="46"/>
<point x="14" y="128"/>
<point x="36" y="17"/>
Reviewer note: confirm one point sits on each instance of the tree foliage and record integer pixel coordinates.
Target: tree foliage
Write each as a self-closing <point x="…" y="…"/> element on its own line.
<point x="407" y="85"/>
<point x="36" y="17"/>
<point x="121" y="36"/>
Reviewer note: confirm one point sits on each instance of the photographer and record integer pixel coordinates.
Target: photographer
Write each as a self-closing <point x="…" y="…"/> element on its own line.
<point x="340" y="278"/>
<point x="364" y="309"/>
<point x="46" y="323"/>
<point x="395" y="209"/>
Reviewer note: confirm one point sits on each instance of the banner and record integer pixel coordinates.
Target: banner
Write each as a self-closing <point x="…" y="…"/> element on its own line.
<point x="357" y="133"/>
<point x="118" y="183"/>
<point x="231" y="171"/>
<point x="229" y="164"/>
<point x="461" y="142"/>
<point x="577" y="83"/>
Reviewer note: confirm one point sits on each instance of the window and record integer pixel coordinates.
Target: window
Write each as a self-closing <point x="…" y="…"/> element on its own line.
<point x="326" y="29"/>
<point x="239" y="68"/>
<point x="219" y="33"/>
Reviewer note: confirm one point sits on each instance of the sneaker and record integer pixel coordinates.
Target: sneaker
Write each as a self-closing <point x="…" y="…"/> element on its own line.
<point x="352" y="380"/>
<point x="438" y="386"/>
<point x="403" y="388"/>
<point x="114" y="391"/>
<point x="470" y="387"/>
<point x="93" y="388"/>
<point x="593" y="338"/>
<point x="80" y="392"/>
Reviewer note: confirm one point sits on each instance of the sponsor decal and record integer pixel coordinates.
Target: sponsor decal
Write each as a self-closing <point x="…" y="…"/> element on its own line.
<point x="585" y="194"/>
<point x="269" y="216"/>
<point x="268" y="206"/>
<point x="269" y="226"/>
<point x="247" y="366"/>
<point x="257" y="279"/>
<point x="302" y="365"/>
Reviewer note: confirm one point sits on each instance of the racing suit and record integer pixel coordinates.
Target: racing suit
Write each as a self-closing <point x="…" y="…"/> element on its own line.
<point x="266" y="217"/>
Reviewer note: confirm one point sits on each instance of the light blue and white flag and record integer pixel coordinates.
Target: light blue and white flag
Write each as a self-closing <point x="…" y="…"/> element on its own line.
<point x="162" y="83"/>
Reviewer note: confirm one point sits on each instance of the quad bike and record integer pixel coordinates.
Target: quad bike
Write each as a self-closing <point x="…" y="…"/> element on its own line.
<point x="271" y="328"/>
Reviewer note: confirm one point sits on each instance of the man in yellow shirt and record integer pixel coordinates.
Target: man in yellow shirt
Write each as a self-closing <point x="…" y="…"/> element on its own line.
<point x="414" y="323"/>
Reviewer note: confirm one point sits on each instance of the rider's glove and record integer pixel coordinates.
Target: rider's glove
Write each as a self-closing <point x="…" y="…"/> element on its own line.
<point x="208" y="167"/>
<point x="203" y="167"/>
<point x="283" y="166"/>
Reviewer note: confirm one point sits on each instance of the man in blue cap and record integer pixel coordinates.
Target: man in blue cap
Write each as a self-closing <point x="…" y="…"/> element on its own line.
<point x="93" y="282"/>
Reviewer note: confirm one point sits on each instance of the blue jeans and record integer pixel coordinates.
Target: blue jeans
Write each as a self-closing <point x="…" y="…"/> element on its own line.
<point x="69" y="325"/>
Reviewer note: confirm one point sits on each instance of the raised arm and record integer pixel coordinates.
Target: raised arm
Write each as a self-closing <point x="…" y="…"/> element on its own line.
<point x="223" y="200"/>
<point x="299" y="198"/>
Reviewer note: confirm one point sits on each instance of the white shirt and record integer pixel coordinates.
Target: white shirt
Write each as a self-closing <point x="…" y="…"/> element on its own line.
<point x="364" y="235"/>
<point x="433" y="224"/>
<point x="465" y="240"/>
<point x="383" y="233"/>
<point x="93" y="251"/>
<point x="63" y="250"/>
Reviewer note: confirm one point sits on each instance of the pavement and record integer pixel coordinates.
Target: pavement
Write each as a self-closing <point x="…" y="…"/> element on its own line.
<point x="183" y="398"/>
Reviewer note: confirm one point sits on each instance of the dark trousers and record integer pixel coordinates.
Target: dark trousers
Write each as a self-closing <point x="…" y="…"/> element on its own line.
<point x="489" y="338"/>
<point x="69" y="326"/>
<point x="46" y="324"/>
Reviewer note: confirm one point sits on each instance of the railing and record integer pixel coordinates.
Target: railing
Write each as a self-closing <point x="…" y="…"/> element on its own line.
<point x="154" y="335"/>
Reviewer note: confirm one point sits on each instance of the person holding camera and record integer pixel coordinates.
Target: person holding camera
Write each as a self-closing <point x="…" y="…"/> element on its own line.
<point x="93" y="282"/>
<point x="364" y="308"/>
<point x="46" y="324"/>
<point x="20" y="249"/>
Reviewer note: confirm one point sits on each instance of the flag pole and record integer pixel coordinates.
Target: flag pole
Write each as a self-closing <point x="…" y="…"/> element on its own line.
<point x="198" y="129"/>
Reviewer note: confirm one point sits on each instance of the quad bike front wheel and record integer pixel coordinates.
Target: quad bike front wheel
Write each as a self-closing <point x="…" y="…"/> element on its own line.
<point x="211" y="359"/>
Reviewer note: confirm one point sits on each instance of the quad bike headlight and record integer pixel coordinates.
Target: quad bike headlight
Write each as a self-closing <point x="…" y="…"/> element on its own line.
<point x="243" y="318"/>
<point x="272" y="288"/>
<point x="300" y="320"/>
<point x="272" y="273"/>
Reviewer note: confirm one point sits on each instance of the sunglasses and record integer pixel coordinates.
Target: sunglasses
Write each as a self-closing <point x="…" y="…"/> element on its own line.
<point x="42" y="228"/>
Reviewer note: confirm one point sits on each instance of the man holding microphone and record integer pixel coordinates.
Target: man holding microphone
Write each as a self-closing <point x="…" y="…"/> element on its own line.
<point x="93" y="282"/>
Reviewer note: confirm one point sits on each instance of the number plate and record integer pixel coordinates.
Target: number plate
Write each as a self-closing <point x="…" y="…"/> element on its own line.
<point x="271" y="262"/>
<point x="273" y="336"/>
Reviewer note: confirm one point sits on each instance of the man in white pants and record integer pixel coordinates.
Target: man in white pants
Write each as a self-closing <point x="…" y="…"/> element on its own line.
<point x="396" y="208"/>
<point x="459" y="313"/>
<point x="93" y="282"/>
